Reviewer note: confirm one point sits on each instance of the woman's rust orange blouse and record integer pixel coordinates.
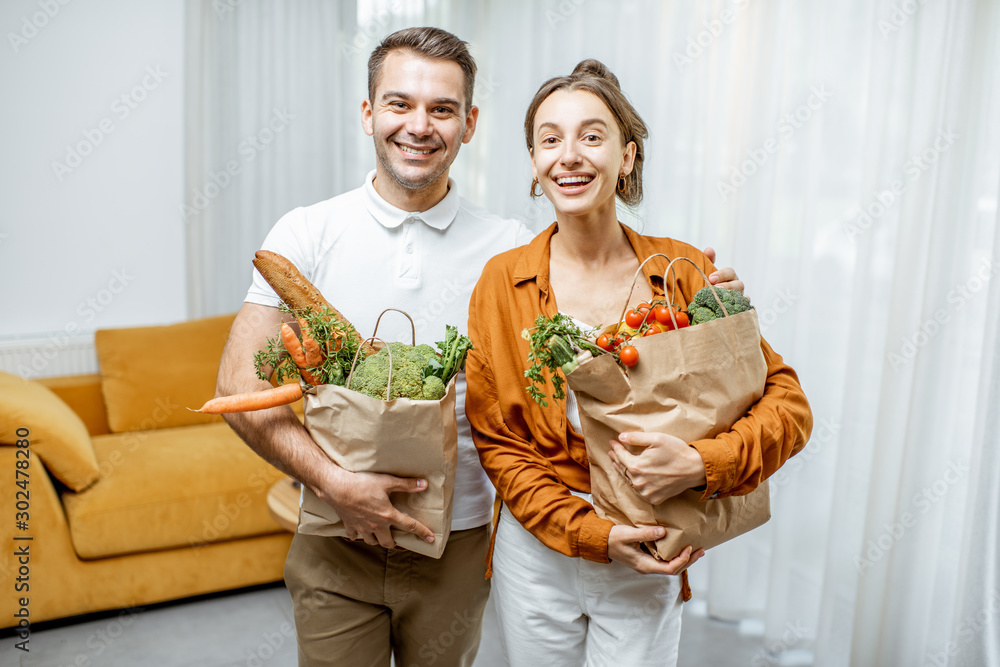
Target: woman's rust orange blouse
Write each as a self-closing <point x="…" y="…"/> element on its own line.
<point x="533" y="455"/>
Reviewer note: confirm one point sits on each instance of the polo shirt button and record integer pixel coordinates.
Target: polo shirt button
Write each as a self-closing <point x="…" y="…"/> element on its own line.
<point x="409" y="249"/>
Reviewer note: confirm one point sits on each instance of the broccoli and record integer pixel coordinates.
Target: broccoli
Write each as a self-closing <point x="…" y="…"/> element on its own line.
<point x="434" y="389"/>
<point x="418" y="371"/>
<point x="410" y="374"/>
<point x="428" y="352"/>
<point x="704" y="308"/>
<point x="699" y="314"/>
<point x="428" y="357"/>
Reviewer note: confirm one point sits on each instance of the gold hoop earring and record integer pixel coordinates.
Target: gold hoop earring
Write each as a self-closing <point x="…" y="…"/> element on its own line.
<point x="533" y="193"/>
<point x="622" y="184"/>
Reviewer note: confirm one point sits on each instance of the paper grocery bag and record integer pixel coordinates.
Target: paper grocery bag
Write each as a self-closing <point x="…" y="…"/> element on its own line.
<point x="402" y="437"/>
<point x="692" y="383"/>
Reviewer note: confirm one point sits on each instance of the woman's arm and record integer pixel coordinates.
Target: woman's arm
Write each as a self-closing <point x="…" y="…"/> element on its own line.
<point x="774" y="429"/>
<point x="507" y="425"/>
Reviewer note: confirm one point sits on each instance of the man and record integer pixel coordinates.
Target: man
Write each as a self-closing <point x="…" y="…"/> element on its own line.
<point x="406" y="240"/>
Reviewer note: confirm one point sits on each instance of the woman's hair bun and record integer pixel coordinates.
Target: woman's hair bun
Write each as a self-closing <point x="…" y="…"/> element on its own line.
<point x="596" y="68"/>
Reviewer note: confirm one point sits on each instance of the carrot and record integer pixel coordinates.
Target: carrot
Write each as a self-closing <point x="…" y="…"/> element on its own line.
<point x="334" y="344"/>
<point x="314" y="357"/>
<point x="254" y="400"/>
<point x="292" y="345"/>
<point x="294" y="348"/>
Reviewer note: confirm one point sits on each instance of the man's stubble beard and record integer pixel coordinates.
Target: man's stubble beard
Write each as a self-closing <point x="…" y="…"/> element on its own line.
<point x="382" y="155"/>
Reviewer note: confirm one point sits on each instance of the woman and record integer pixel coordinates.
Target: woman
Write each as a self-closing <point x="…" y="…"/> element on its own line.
<point x="572" y="588"/>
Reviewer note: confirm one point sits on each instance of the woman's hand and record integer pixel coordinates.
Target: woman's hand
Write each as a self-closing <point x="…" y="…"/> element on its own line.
<point x="666" y="467"/>
<point x="624" y="547"/>
<point x="723" y="277"/>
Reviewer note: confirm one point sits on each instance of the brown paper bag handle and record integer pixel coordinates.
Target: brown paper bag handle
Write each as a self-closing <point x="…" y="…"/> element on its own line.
<point x="388" y="384"/>
<point x="708" y="283"/>
<point x="673" y="292"/>
<point x="413" y="329"/>
<point x="373" y="338"/>
<point x="635" y="277"/>
<point x="715" y="293"/>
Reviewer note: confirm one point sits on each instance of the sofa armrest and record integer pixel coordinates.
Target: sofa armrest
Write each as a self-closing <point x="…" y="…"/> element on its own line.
<point x="82" y="393"/>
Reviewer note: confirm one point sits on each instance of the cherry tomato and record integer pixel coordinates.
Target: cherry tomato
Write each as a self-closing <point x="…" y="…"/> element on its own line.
<point x="629" y="356"/>
<point x="662" y="315"/>
<point x="604" y="342"/>
<point x="647" y="312"/>
<point x="634" y="318"/>
<point x="653" y="329"/>
<point x="682" y="320"/>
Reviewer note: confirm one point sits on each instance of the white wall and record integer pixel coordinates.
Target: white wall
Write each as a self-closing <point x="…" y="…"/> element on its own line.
<point x="97" y="243"/>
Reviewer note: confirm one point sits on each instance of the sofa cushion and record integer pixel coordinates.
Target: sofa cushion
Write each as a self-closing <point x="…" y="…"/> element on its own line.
<point x="151" y="375"/>
<point x="82" y="393"/>
<point x="56" y="434"/>
<point x="167" y="488"/>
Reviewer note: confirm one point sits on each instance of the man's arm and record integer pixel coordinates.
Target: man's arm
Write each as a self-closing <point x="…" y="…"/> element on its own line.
<point x="360" y="499"/>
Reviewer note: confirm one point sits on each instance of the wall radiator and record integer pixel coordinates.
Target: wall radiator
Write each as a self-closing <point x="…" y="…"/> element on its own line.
<point x="49" y="355"/>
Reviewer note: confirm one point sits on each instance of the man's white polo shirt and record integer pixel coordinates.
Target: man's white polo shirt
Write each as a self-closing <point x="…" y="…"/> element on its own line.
<point x="366" y="255"/>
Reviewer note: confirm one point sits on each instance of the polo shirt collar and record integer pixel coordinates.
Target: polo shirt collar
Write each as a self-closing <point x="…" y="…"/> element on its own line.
<point x="439" y="216"/>
<point x="534" y="261"/>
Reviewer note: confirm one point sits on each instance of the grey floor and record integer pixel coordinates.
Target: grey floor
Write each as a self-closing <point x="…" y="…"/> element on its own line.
<point x="254" y="629"/>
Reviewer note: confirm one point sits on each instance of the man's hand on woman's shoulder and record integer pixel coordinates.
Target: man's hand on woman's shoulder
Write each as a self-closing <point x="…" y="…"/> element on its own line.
<point x="725" y="277"/>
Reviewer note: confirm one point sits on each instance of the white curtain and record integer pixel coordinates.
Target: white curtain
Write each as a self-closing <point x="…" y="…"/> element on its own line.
<point x="844" y="157"/>
<point x="271" y="124"/>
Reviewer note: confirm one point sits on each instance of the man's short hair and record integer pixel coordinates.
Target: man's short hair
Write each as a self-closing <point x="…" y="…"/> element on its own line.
<point x="429" y="43"/>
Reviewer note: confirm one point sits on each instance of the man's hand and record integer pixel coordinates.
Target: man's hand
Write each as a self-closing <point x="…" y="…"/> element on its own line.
<point x="723" y="277"/>
<point x="362" y="502"/>
<point x="624" y="547"/>
<point x="666" y="467"/>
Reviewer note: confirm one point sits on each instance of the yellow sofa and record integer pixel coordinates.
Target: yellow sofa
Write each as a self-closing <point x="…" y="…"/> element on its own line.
<point x="126" y="497"/>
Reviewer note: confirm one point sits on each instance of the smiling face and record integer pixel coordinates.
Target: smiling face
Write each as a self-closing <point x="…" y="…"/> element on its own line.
<point x="578" y="154"/>
<point x="418" y="122"/>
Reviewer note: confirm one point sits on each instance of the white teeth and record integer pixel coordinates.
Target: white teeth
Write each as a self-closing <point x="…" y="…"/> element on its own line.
<point x="415" y="151"/>
<point x="572" y="180"/>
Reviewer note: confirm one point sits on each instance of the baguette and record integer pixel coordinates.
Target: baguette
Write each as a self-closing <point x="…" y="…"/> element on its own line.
<point x="288" y="282"/>
<point x="295" y="289"/>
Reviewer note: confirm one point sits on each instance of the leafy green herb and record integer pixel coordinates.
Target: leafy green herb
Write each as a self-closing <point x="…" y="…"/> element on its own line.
<point x="335" y="337"/>
<point x="555" y="344"/>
